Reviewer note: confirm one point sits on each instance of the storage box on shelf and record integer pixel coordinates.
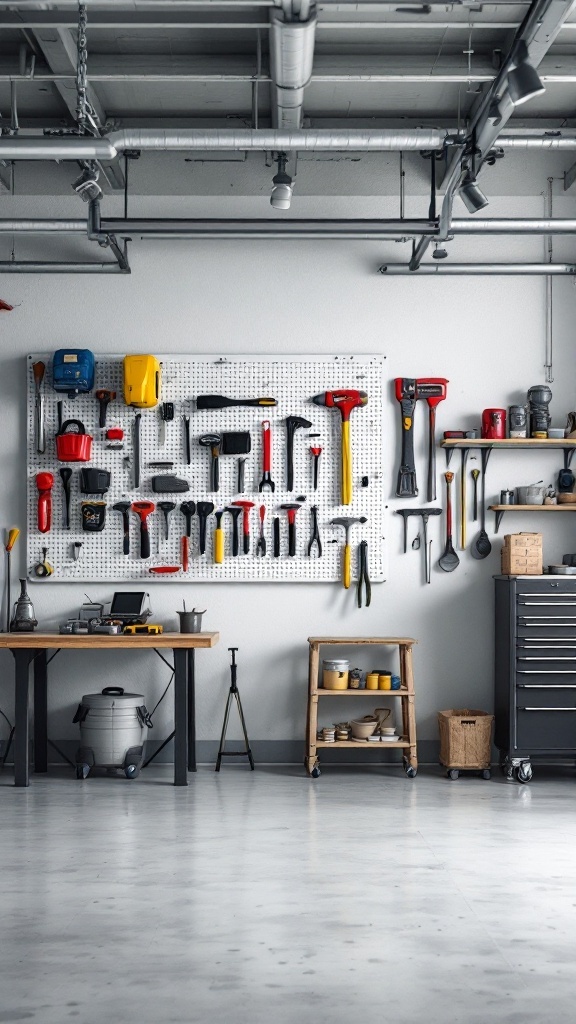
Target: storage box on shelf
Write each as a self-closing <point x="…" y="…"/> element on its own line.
<point x="407" y="741"/>
<point x="522" y="554"/>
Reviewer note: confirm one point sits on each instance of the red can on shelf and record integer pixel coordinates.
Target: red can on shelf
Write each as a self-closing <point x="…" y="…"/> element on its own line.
<point x="494" y="424"/>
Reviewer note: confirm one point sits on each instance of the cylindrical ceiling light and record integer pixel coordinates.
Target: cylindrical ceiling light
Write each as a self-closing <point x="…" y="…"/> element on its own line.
<point x="523" y="80"/>
<point x="282" y="187"/>
<point x="472" y="195"/>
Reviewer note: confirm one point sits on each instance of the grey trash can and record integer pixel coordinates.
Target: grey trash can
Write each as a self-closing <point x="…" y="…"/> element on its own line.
<point x="113" y="728"/>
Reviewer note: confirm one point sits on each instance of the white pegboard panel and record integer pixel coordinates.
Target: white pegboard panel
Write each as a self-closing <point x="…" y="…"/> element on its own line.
<point x="292" y="380"/>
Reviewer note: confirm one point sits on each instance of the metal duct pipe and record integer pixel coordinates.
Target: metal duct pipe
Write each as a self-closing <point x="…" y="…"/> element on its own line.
<point x="536" y="142"/>
<point x="113" y="145"/>
<point x="30" y="267"/>
<point x="449" y="269"/>
<point x="350" y="230"/>
<point x="291" y="58"/>
<point x="322" y="139"/>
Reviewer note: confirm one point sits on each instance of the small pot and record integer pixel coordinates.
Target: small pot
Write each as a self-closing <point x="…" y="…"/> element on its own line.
<point x="362" y="728"/>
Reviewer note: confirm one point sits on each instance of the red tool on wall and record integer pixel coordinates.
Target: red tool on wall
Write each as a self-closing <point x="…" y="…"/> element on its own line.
<point x="433" y="390"/>
<point x="44" y="483"/>
<point x="266" y="480"/>
<point x="143" y="510"/>
<point x="345" y="400"/>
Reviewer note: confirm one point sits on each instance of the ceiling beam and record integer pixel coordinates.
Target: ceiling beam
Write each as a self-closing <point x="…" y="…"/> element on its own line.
<point x="421" y="68"/>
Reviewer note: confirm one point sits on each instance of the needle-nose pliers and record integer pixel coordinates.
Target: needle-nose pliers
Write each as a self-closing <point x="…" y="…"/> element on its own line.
<point x="363" y="577"/>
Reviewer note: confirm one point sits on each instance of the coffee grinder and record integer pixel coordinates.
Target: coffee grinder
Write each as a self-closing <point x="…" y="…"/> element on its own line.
<point x="539" y="398"/>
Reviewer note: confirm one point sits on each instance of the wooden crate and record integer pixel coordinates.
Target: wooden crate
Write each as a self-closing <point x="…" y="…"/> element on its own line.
<point x="522" y="554"/>
<point x="465" y="738"/>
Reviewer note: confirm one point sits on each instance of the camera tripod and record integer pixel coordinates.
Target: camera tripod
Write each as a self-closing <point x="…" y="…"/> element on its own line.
<point x="234" y="693"/>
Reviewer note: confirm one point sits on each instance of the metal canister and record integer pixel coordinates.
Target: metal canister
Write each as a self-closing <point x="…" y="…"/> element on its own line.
<point x="517" y="422"/>
<point x="507" y="498"/>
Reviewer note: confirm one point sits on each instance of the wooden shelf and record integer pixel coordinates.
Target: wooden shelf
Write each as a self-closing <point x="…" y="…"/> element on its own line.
<point x="346" y="641"/>
<point x="364" y="743"/>
<point x="510" y="442"/>
<point x="501" y="509"/>
<point x="363" y="692"/>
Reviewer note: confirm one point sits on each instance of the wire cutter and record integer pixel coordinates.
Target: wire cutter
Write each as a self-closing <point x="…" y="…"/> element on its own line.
<point x="315" y="538"/>
<point x="363" y="576"/>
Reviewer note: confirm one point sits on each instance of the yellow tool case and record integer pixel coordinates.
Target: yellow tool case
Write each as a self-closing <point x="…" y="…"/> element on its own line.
<point x="142" y="378"/>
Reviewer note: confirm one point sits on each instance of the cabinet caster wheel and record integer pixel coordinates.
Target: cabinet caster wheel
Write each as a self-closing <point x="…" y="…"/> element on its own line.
<point x="524" y="773"/>
<point x="486" y="774"/>
<point x="410" y="770"/>
<point x="131" y="771"/>
<point x="453" y="774"/>
<point x="82" y="771"/>
<point x="315" y="773"/>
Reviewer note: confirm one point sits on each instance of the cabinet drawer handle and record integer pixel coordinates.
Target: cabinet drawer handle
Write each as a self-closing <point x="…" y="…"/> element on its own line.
<point x="546" y="709"/>
<point x="546" y="658"/>
<point x="547" y="604"/>
<point x="547" y="646"/>
<point x="546" y="672"/>
<point x="549" y="686"/>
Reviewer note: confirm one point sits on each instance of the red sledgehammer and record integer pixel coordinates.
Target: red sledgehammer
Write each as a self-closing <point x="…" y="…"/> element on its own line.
<point x="434" y="391"/>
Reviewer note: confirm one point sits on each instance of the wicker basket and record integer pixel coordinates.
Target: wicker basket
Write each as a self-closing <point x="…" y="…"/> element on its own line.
<point x="465" y="738"/>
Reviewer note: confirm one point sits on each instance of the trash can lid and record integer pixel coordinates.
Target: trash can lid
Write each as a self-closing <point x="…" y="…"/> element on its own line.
<point x="113" y="700"/>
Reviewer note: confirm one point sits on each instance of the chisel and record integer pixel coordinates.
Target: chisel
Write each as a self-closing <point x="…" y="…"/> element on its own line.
<point x="39" y="369"/>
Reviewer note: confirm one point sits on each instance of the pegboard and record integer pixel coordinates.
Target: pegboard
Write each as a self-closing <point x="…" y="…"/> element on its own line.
<point x="292" y="380"/>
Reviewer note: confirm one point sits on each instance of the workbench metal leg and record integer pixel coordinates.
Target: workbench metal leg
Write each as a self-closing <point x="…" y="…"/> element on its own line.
<point x="180" y="718"/>
<point x="41" y="712"/>
<point x="191" y="710"/>
<point x="22" y="658"/>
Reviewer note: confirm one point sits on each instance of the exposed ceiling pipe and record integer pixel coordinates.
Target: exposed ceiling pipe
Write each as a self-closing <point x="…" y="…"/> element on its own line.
<point x="291" y="59"/>
<point x="115" y="144"/>
<point x="351" y="230"/>
<point x="506" y="269"/>
<point x="31" y="267"/>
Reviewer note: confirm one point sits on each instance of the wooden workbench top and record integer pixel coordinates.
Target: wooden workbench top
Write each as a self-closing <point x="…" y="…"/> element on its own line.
<point x="103" y="640"/>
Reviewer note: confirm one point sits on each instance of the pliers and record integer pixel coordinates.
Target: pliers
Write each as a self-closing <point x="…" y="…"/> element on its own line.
<point x="315" y="538"/>
<point x="363" y="576"/>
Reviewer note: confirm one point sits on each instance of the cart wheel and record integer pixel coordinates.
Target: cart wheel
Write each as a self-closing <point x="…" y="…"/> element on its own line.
<point x="410" y="770"/>
<point x="82" y="771"/>
<point x="315" y="773"/>
<point x="453" y="774"/>
<point x="132" y="771"/>
<point x="524" y="772"/>
<point x="486" y="774"/>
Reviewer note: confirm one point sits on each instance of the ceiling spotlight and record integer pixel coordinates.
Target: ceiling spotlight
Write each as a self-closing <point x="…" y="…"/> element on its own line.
<point x="523" y="81"/>
<point x="472" y="195"/>
<point x="86" y="185"/>
<point x="282" y="187"/>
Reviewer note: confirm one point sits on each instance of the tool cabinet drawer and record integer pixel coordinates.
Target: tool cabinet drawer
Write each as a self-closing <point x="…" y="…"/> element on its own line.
<point x="544" y="630"/>
<point x="551" y="676"/>
<point x="541" y="585"/>
<point x="556" y="696"/>
<point x="542" y="662"/>
<point x="546" y="729"/>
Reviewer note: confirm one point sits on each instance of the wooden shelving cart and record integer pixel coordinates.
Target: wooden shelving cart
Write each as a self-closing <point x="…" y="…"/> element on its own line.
<point x="407" y="742"/>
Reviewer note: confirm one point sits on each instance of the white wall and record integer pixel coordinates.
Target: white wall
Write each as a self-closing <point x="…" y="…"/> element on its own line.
<point x="485" y="334"/>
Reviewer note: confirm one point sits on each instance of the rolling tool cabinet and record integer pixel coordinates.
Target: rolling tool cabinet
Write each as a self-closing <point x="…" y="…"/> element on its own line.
<point x="406" y="743"/>
<point x="535" y="671"/>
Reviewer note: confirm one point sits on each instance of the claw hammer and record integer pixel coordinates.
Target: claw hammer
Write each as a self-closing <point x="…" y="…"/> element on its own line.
<point x="345" y="401"/>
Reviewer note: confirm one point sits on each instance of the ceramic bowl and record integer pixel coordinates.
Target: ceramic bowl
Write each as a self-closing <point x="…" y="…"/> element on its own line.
<point x="388" y="730"/>
<point x="362" y="728"/>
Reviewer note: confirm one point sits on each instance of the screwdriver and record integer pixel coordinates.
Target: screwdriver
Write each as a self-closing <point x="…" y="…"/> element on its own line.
<point x="316" y="452"/>
<point x="167" y="414"/>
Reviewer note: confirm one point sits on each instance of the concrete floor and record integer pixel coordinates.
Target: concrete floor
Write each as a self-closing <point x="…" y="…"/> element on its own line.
<point x="268" y="897"/>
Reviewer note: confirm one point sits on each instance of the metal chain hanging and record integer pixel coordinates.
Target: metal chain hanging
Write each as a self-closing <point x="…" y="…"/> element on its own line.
<point x="81" y="69"/>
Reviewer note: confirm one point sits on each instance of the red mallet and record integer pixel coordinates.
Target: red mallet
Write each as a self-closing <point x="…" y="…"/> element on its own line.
<point x="44" y="483"/>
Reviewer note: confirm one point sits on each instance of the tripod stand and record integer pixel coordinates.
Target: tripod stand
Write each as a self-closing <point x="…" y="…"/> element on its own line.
<point x="234" y="692"/>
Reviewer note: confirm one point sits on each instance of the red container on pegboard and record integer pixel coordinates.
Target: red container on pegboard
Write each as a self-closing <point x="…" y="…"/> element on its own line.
<point x="73" y="446"/>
